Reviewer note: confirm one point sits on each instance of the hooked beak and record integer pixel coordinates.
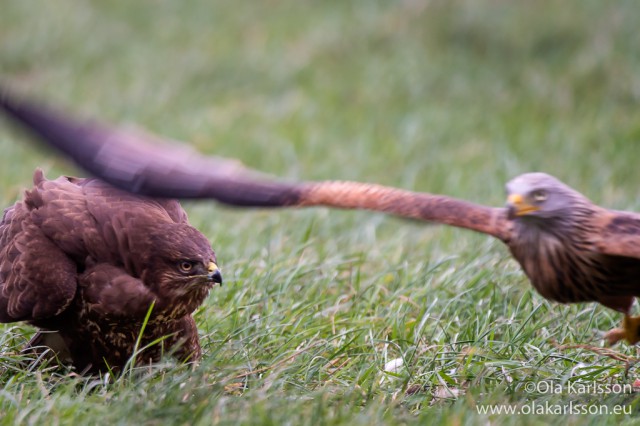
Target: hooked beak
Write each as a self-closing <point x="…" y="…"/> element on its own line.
<point x="213" y="273"/>
<point x="519" y="207"/>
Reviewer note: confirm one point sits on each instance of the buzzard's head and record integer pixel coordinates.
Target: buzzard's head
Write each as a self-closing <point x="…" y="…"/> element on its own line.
<point x="181" y="266"/>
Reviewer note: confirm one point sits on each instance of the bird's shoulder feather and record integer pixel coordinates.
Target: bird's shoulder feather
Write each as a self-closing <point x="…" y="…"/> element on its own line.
<point x="620" y="234"/>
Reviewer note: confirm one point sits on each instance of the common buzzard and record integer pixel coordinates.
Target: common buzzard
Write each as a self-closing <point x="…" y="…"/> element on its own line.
<point x="571" y="250"/>
<point x="86" y="262"/>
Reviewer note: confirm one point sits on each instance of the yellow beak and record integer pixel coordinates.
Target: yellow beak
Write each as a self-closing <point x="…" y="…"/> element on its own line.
<point x="518" y="205"/>
<point x="214" y="273"/>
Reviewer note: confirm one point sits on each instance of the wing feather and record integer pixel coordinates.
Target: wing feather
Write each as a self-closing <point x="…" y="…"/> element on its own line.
<point x="37" y="280"/>
<point x="110" y="292"/>
<point x="143" y="164"/>
<point x="620" y="234"/>
<point x="414" y="205"/>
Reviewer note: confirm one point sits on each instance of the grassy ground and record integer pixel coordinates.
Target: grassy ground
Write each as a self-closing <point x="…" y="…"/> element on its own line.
<point x="441" y="96"/>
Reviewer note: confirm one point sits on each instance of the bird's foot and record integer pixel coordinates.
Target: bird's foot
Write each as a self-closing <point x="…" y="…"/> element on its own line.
<point x="630" y="331"/>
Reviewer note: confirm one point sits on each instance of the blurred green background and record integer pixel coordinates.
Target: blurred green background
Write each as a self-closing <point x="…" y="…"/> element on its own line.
<point x="452" y="97"/>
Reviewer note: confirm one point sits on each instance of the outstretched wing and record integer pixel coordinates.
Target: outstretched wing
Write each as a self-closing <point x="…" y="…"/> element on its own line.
<point x="143" y="164"/>
<point x="413" y="205"/>
<point x="140" y="163"/>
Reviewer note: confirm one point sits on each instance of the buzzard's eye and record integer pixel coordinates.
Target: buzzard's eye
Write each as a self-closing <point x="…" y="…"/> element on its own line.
<point x="185" y="266"/>
<point x="539" y="195"/>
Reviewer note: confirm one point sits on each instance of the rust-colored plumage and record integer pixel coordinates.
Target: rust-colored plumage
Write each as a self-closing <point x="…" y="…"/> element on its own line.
<point x="571" y="249"/>
<point x="85" y="262"/>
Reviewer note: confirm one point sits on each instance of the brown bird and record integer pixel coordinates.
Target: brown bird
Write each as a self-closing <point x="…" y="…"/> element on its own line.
<point x="86" y="262"/>
<point x="571" y="250"/>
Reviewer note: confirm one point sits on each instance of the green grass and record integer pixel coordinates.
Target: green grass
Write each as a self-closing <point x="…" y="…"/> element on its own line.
<point x="452" y="97"/>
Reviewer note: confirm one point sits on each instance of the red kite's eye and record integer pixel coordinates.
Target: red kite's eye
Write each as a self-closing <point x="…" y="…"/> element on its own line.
<point x="539" y="195"/>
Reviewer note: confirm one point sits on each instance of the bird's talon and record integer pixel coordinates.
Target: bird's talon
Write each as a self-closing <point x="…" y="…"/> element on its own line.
<point x="630" y="331"/>
<point x="614" y="336"/>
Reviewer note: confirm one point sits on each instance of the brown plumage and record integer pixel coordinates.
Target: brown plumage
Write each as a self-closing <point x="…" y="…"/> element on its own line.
<point x="85" y="262"/>
<point x="571" y="249"/>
